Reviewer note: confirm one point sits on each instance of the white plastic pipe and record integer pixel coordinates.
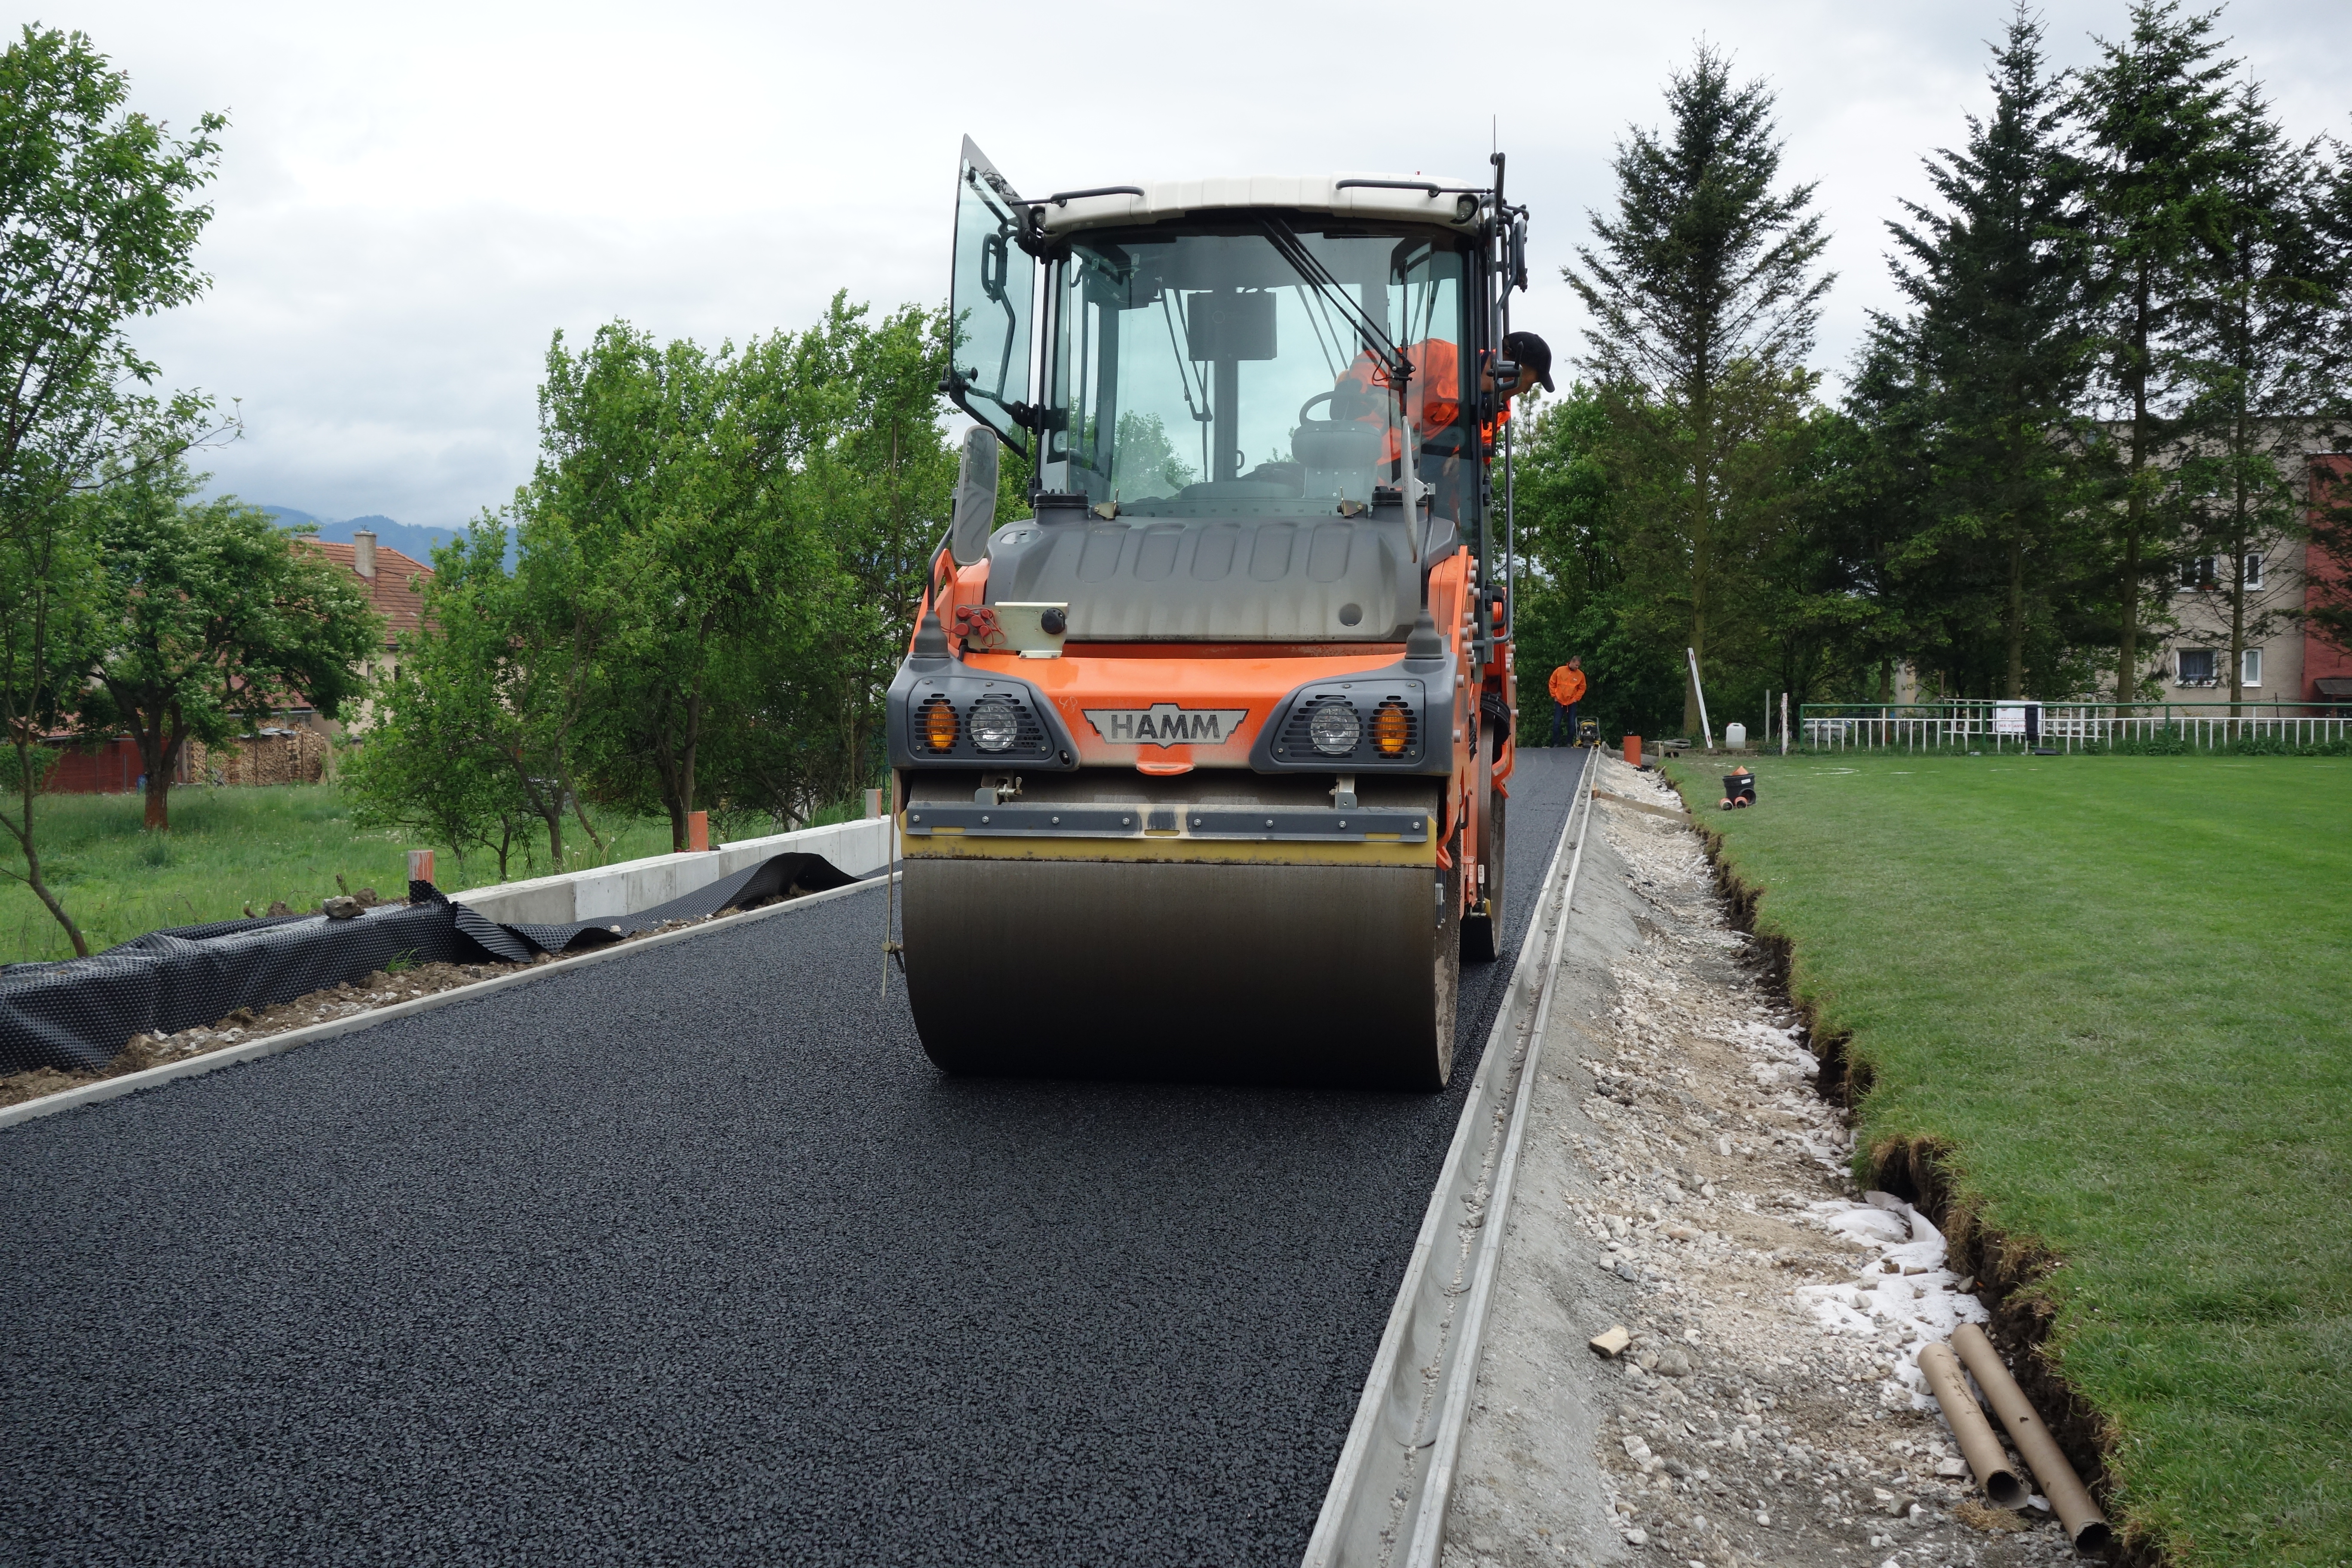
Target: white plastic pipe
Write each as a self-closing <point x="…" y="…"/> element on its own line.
<point x="1706" y="730"/>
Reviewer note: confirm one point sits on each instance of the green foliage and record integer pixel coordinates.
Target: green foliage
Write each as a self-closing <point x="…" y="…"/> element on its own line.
<point x="2075" y="977"/>
<point x="206" y="618"/>
<point x="717" y="564"/>
<point x="98" y="223"/>
<point x="1704" y="295"/>
<point x="1998" y="534"/>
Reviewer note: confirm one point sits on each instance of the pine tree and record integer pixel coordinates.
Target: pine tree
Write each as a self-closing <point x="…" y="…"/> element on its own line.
<point x="2261" y="347"/>
<point x="2153" y="109"/>
<point x="1996" y="274"/>
<point x="1703" y="289"/>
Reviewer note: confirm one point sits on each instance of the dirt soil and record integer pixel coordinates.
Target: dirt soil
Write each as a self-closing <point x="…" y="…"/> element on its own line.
<point x="1684" y="1179"/>
<point x="377" y="990"/>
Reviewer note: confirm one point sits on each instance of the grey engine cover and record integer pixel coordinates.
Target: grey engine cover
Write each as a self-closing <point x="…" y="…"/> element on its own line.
<point x="1248" y="579"/>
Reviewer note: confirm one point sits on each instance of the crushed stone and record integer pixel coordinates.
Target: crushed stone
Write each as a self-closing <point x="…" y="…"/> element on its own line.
<point x="1769" y="1408"/>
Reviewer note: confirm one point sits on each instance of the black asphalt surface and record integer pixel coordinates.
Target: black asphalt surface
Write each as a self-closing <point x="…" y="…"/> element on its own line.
<point x="692" y="1257"/>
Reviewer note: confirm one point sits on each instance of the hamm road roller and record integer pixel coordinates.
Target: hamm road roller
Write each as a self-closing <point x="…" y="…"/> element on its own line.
<point x="1201" y="764"/>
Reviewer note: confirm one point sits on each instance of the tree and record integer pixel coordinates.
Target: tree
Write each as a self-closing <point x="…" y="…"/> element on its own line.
<point x="46" y="588"/>
<point x="2152" y="110"/>
<point x="882" y="477"/>
<point x="98" y="223"/>
<point x="420" y="767"/>
<point x="482" y="729"/>
<point x="1575" y="591"/>
<point x="207" y="618"/>
<point x="672" y="470"/>
<point x="1996" y="274"/>
<point x="1702" y="293"/>
<point x="2263" y="355"/>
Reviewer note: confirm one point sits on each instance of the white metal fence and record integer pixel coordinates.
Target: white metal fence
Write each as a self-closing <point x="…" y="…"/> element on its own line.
<point x="2069" y="726"/>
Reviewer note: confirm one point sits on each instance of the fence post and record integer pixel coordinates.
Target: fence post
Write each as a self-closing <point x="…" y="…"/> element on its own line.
<point x="420" y="864"/>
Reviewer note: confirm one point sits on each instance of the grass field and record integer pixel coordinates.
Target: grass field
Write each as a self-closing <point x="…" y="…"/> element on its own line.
<point x="229" y="847"/>
<point x="2119" y="991"/>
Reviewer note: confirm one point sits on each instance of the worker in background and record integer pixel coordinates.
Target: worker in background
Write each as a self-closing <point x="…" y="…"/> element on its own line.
<point x="1566" y="692"/>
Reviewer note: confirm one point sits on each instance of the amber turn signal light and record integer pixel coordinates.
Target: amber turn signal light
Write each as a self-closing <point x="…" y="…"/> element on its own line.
<point x="1391" y="729"/>
<point x="940" y="725"/>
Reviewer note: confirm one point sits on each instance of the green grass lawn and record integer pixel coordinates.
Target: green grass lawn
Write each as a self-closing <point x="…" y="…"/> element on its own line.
<point x="2119" y="991"/>
<point x="228" y="848"/>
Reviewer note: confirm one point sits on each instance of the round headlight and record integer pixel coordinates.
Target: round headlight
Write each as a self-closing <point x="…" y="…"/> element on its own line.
<point x="994" y="724"/>
<point x="1335" y="729"/>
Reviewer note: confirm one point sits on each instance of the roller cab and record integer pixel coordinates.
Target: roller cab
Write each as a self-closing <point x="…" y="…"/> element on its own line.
<point x="1201" y="764"/>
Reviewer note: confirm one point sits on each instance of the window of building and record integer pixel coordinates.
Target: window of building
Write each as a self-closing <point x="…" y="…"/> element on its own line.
<point x="2250" y="666"/>
<point x="2253" y="572"/>
<point x="2197" y="571"/>
<point x="2196" y="667"/>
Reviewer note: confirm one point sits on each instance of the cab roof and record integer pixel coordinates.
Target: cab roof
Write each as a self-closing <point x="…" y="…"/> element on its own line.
<point x="1415" y="198"/>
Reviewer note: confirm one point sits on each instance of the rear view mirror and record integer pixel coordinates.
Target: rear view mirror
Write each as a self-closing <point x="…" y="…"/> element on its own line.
<point x="1228" y="326"/>
<point x="975" y="497"/>
<point x="1520" y="254"/>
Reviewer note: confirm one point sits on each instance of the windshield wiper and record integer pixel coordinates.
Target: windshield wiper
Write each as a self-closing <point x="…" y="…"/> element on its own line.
<point x="1304" y="262"/>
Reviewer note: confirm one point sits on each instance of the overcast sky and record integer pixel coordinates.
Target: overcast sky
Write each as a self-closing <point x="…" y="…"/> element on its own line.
<point x="413" y="198"/>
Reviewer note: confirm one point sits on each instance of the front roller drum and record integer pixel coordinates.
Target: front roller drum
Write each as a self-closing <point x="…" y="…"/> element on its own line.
<point x="1313" y="974"/>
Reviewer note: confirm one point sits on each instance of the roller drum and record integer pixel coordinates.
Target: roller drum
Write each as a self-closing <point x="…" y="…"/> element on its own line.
<point x="1330" y="974"/>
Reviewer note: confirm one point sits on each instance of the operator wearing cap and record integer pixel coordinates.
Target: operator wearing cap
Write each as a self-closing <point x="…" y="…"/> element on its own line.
<point x="1434" y="403"/>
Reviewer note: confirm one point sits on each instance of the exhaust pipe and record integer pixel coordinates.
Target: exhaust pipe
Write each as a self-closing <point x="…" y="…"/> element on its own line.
<point x="2086" y="1527"/>
<point x="1987" y="1459"/>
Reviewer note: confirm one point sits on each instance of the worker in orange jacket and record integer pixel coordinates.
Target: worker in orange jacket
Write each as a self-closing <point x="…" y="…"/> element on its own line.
<point x="1566" y="692"/>
<point x="1434" y="401"/>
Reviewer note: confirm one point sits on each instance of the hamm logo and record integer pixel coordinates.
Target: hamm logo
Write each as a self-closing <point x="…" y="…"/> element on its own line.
<point x="1165" y="724"/>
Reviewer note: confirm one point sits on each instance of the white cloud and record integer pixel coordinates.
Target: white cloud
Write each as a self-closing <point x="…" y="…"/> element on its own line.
<point x="414" y="199"/>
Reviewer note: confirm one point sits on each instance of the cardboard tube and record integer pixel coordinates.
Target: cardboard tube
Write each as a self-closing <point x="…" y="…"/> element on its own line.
<point x="2086" y="1527"/>
<point x="1987" y="1459"/>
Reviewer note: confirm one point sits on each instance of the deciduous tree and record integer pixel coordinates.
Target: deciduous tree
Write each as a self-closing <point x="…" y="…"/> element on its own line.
<point x="207" y="619"/>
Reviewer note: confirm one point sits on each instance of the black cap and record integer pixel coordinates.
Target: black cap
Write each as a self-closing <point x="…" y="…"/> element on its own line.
<point x="1527" y="349"/>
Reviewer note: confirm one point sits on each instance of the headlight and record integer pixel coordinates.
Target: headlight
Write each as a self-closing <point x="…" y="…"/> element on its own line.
<point x="938" y="724"/>
<point x="1391" y="729"/>
<point x="1335" y="729"/>
<point x="994" y="724"/>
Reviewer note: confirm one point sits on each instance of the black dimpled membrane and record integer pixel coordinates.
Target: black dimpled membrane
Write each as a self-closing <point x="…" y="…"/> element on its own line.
<point x="77" y="1015"/>
<point x="692" y="1257"/>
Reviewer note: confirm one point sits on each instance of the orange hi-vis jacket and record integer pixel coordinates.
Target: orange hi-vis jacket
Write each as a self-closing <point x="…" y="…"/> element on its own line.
<point x="1433" y="398"/>
<point x="1567" y="686"/>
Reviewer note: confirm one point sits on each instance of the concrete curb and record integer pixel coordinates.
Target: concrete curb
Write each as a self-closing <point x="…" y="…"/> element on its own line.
<point x="272" y="1044"/>
<point x="1391" y="1490"/>
<point x="858" y="847"/>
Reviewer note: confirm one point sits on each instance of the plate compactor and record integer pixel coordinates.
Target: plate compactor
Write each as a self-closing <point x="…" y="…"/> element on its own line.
<point x="1200" y="767"/>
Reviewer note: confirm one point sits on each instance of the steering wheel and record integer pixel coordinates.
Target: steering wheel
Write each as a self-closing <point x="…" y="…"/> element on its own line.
<point x="1348" y="404"/>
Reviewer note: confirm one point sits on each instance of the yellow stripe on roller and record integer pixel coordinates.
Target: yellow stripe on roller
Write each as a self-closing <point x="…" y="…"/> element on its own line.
<point x="1164" y="848"/>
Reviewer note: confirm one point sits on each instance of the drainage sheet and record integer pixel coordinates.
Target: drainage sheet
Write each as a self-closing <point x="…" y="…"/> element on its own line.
<point x="78" y="1013"/>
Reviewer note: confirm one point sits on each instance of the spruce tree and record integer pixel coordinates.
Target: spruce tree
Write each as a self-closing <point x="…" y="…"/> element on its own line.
<point x="2263" y="352"/>
<point x="1996" y="274"/>
<point x="1704" y="298"/>
<point x="2153" y="111"/>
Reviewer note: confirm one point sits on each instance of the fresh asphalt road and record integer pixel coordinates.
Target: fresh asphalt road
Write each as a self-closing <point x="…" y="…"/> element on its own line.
<point x="691" y="1257"/>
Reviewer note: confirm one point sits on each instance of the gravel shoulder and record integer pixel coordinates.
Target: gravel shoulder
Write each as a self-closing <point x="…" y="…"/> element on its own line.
<point x="1683" y="1180"/>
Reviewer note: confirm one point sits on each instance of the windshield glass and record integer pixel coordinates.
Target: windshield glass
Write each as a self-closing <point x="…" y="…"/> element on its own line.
<point x="1193" y="372"/>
